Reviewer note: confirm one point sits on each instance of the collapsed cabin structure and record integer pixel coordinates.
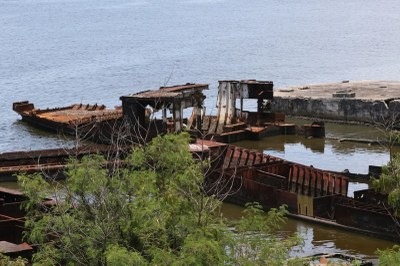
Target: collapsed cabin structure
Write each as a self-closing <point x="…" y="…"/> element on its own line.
<point x="229" y="91"/>
<point x="139" y="107"/>
<point x="232" y="122"/>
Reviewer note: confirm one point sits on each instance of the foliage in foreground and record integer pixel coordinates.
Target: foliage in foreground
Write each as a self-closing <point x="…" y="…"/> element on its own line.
<point x="389" y="257"/>
<point x="389" y="182"/>
<point x="152" y="211"/>
<point x="6" y="261"/>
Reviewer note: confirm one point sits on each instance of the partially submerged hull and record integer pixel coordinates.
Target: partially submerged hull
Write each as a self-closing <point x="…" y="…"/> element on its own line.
<point x="51" y="162"/>
<point x="309" y="193"/>
<point x="76" y="119"/>
<point x="240" y="175"/>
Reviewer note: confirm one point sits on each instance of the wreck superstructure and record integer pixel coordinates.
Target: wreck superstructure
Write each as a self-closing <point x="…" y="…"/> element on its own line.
<point x="231" y="91"/>
<point x="139" y="107"/>
<point x="231" y="123"/>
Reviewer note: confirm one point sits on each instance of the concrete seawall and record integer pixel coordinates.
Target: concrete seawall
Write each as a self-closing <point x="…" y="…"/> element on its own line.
<point x="361" y="101"/>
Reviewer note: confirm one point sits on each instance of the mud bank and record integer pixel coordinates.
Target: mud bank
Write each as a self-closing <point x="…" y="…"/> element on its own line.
<point x="346" y="101"/>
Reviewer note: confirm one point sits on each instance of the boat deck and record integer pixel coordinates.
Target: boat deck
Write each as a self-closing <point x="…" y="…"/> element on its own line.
<point x="76" y="113"/>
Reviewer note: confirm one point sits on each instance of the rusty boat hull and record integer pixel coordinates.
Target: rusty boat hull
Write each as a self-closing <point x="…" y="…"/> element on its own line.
<point x="311" y="194"/>
<point x="92" y="121"/>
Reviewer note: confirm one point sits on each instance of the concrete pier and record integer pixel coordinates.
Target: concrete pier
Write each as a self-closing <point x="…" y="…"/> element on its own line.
<point x="347" y="101"/>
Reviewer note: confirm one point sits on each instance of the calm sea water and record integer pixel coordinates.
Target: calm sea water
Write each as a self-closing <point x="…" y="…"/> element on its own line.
<point x="328" y="153"/>
<point x="59" y="52"/>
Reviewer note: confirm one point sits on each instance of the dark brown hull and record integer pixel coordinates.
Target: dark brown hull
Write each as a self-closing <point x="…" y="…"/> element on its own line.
<point x="87" y="121"/>
<point x="310" y="194"/>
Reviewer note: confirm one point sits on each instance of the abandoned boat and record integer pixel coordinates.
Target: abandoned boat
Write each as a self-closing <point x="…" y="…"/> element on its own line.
<point x="86" y="120"/>
<point x="231" y="123"/>
<point x="50" y="162"/>
<point x="309" y="193"/>
<point x="12" y="224"/>
<point x="312" y="194"/>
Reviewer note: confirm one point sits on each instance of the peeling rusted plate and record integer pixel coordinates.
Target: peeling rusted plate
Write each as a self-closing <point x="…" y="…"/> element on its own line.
<point x="8" y="247"/>
<point x="169" y="92"/>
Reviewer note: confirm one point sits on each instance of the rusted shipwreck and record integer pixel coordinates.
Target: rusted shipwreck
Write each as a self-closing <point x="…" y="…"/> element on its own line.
<point x="50" y="162"/>
<point x="311" y="194"/>
<point x="232" y="121"/>
<point x="88" y="121"/>
<point x="12" y="224"/>
<point x="140" y="109"/>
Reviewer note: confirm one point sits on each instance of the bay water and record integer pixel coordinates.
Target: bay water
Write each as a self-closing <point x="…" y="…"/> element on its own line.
<point x="58" y="52"/>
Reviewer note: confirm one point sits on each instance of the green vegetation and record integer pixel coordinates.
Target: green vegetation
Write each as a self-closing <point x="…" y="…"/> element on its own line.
<point x="151" y="211"/>
<point x="6" y="261"/>
<point x="389" y="183"/>
<point x="389" y="257"/>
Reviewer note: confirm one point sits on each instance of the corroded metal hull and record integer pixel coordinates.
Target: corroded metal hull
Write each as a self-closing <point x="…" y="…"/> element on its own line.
<point x="309" y="193"/>
<point x="92" y="121"/>
<point x="241" y="175"/>
<point x="12" y="224"/>
<point x="50" y="162"/>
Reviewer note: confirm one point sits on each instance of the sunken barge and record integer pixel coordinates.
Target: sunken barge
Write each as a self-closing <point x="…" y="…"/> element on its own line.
<point x="93" y="122"/>
<point x="309" y="193"/>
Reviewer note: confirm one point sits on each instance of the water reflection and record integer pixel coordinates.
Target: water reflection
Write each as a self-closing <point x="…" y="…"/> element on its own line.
<point x="355" y="186"/>
<point x="322" y="239"/>
<point x="38" y="139"/>
<point x="12" y="185"/>
<point x="281" y="143"/>
<point x="328" y="153"/>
